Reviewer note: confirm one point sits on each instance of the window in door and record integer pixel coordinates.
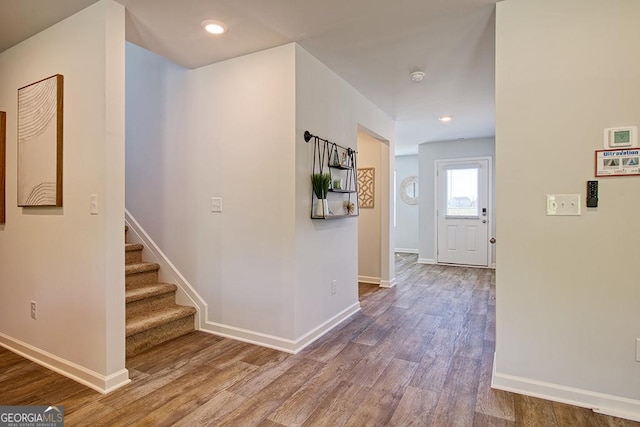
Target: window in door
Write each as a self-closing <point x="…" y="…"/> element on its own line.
<point x="462" y="193"/>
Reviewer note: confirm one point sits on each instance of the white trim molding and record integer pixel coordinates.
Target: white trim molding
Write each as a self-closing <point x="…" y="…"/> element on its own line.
<point x="279" y="343"/>
<point x="369" y="279"/>
<point x="406" y="251"/>
<point x="388" y="283"/>
<point x="601" y="403"/>
<point x="98" y="382"/>
<point x="426" y="261"/>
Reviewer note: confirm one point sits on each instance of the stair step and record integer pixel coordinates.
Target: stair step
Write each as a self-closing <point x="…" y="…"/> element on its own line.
<point x="128" y="247"/>
<point x="140" y="267"/>
<point x="137" y="294"/>
<point x="153" y="319"/>
<point x="145" y="340"/>
<point x="149" y="298"/>
<point x="141" y="274"/>
<point x="133" y="253"/>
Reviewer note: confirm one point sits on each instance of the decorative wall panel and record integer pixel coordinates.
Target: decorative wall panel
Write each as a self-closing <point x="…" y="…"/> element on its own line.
<point x="366" y="187"/>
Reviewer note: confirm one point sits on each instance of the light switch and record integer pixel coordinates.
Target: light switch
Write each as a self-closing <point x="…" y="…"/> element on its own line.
<point x="216" y="204"/>
<point x="563" y="204"/>
<point x="93" y="204"/>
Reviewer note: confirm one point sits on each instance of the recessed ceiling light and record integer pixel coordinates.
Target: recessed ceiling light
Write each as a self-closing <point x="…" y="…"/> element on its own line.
<point x="446" y="119"/>
<point x="214" y="27"/>
<point x="417" y="76"/>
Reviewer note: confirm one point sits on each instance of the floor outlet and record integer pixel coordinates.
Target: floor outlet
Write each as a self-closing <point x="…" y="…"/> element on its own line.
<point x="333" y="287"/>
<point x="33" y="310"/>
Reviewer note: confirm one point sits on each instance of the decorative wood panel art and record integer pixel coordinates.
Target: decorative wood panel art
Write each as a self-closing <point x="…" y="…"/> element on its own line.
<point x="366" y="180"/>
<point x="3" y="157"/>
<point x="40" y="143"/>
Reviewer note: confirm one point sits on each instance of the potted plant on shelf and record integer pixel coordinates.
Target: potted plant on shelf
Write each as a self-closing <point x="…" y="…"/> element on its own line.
<point x="321" y="183"/>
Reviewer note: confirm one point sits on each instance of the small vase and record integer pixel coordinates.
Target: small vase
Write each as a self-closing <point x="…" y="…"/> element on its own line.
<point x="322" y="208"/>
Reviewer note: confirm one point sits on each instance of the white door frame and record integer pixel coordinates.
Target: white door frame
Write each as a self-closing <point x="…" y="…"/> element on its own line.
<point x="490" y="204"/>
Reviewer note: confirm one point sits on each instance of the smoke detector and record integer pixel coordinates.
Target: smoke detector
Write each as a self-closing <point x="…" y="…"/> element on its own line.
<point x="417" y="76"/>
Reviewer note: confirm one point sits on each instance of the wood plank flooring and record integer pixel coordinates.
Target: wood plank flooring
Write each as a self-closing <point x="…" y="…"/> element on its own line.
<point x="419" y="354"/>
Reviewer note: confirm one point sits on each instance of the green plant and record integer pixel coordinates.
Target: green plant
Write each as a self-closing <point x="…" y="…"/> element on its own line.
<point x="321" y="183"/>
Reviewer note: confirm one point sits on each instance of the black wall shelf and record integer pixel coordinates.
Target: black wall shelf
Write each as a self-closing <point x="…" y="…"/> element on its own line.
<point x="340" y="163"/>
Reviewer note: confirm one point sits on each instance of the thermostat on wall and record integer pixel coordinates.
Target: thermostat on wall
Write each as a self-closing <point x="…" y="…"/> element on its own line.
<point x="621" y="137"/>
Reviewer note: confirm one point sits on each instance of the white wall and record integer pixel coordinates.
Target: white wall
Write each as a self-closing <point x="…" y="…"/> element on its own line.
<point x="223" y="130"/>
<point x="328" y="250"/>
<point x="234" y="129"/>
<point x="407" y="215"/>
<point x="428" y="153"/>
<point x="567" y="288"/>
<point x="68" y="261"/>
<point x="369" y="220"/>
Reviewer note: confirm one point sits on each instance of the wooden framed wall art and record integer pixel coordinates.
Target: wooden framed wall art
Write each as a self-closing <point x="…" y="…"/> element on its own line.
<point x="3" y="158"/>
<point x="366" y="187"/>
<point x="40" y="143"/>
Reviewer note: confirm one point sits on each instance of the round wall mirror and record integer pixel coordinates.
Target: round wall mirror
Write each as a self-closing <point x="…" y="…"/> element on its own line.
<point x="409" y="190"/>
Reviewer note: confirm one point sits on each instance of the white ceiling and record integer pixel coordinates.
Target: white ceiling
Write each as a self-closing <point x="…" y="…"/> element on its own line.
<point x="372" y="44"/>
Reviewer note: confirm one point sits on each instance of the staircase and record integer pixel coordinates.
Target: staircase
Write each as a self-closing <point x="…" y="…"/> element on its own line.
<point x="152" y="316"/>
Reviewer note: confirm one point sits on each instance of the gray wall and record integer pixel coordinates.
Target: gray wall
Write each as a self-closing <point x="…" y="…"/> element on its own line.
<point x="427" y="155"/>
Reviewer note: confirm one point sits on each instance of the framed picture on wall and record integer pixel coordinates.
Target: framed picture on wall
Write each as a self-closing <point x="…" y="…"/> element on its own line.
<point x="3" y="157"/>
<point x="40" y="143"/>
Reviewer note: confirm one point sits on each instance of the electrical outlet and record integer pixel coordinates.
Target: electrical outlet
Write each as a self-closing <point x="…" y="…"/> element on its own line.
<point x="333" y="287"/>
<point x="33" y="310"/>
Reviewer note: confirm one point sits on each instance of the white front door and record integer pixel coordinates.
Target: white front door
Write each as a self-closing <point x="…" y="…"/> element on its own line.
<point x="462" y="211"/>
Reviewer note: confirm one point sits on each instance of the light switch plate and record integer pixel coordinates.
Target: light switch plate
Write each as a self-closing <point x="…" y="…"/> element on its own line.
<point x="216" y="204"/>
<point x="93" y="205"/>
<point x="563" y="204"/>
<point x="637" y="349"/>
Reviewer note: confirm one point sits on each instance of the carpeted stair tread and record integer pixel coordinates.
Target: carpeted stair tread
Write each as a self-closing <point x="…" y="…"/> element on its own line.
<point x="130" y="247"/>
<point x="152" y="319"/>
<point x="141" y="267"/>
<point x="137" y="294"/>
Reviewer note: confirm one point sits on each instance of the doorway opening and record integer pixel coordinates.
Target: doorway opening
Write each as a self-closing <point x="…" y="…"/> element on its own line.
<point x="375" y="267"/>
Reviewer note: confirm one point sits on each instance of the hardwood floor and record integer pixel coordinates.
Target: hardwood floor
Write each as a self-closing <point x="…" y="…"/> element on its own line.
<point x="419" y="354"/>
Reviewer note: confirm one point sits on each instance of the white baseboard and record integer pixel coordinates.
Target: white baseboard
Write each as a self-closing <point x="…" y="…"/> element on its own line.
<point x="186" y="294"/>
<point x="601" y="403"/>
<point x="369" y="279"/>
<point x="87" y="377"/>
<point x="406" y="251"/>
<point x="388" y="283"/>
<point x="377" y="281"/>
<point x="279" y="343"/>
<point x="426" y="261"/>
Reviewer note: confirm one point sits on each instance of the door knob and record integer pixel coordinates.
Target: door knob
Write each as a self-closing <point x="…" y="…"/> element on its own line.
<point x="492" y="240"/>
<point x="484" y="221"/>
